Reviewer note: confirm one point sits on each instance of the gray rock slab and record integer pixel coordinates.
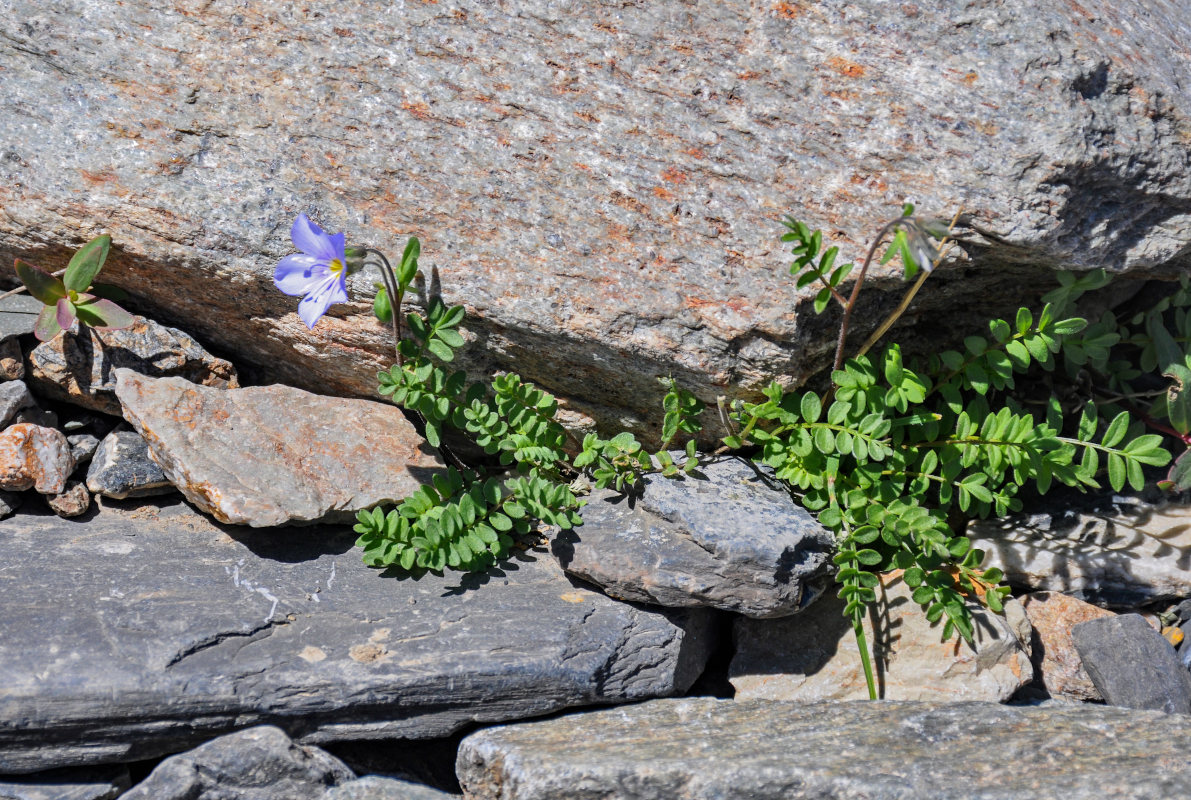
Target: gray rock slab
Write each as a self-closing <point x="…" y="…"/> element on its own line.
<point x="602" y="188"/>
<point x="736" y="541"/>
<point x="121" y="467"/>
<point x="705" y="749"/>
<point x="271" y="455"/>
<point x="80" y="366"/>
<point x="85" y="783"/>
<point x="1113" y="551"/>
<point x="9" y="503"/>
<point x="146" y="631"/>
<point x="1132" y="665"/>
<point x="813" y="656"/>
<point x="14" y="395"/>
<point x="260" y="763"/>
<point x="18" y="314"/>
<point x="376" y="787"/>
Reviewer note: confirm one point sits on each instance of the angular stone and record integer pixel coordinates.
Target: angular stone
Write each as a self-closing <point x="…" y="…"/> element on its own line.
<point x="260" y="763"/>
<point x="813" y="656"/>
<point x="14" y="395"/>
<point x="147" y="631"/>
<point x="736" y="541"/>
<point x="9" y="503"/>
<point x="1056" y="661"/>
<point x="18" y="314"/>
<point x="623" y="168"/>
<point x="269" y="455"/>
<point x="375" y="787"/>
<point x="80" y="367"/>
<point x="701" y="748"/>
<point x="33" y="457"/>
<point x="122" y="468"/>
<point x="35" y="415"/>
<point x="1132" y="665"/>
<point x="1112" y="551"/>
<point x="73" y="501"/>
<point x="86" y="783"/>
<point x="12" y="360"/>
<point x="82" y="447"/>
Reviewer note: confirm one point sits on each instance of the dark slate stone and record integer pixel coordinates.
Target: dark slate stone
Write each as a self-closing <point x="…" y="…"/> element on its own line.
<point x="14" y="396"/>
<point x="18" y="313"/>
<point x="9" y="503"/>
<point x="82" y="447"/>
<point x="260" y="763"/>
<point x="707" y="749"/>
<point x="736" y="541"/>
<point x="121" y="468"/>
<point x="1132" y="665"/>
<point x="143" y="632"/>
<point x="81" y="783"/>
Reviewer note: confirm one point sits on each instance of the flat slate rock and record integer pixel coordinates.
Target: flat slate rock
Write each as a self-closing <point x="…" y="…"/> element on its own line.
<point x="706" y="749"/>
<point x="1132" y="665"/>
<point x="601" y="189"/>
<point x="18" y="313"/>
<point x="143" y="632"/>
<point x="1110" y="550"/>
<point x="271" y="455"/>
<point x="81" y="783"/>
<point x="735" y="541"/>
<point x="377" y="787"/>
<point x="813" y="656"/>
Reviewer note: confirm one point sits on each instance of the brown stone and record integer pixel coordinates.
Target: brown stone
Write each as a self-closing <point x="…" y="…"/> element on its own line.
<point x="1054" y="655"/>
<point x="271" y="455"/>
<point x="72" y="502"/>
<point x="12" y="362"/>
<point x="813" y="656"/>
<point x="34" y="457"/>
<point x="79" y="366"/>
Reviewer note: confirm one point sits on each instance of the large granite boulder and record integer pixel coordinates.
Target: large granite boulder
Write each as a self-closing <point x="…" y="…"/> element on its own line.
<point x="601" y="186"/>
<point x="147" y="631"/>
<point x="705" y="749"/>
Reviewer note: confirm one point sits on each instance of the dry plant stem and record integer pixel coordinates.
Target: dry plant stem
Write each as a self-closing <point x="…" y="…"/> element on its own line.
<point x="843" y="327"/>
<point x="20" y="289"/>
<point x="386" y="272"/>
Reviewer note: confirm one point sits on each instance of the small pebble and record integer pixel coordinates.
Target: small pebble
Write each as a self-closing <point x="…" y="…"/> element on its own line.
<point x="73" y="502"/>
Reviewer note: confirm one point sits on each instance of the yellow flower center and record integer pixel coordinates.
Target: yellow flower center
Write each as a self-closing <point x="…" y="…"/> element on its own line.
<point x="336" y="266"/>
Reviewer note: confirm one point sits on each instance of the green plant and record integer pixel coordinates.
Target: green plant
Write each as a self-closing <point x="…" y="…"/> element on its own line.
<point x="74" y="295"/>
<point x="468" y="517"/>
<point x="894" y="454"/>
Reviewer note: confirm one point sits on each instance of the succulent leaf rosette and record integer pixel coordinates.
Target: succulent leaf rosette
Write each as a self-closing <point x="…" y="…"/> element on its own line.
<point x="73" y="296"/>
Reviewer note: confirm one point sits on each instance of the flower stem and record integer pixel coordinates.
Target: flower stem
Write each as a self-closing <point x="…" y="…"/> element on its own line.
<point x="395" y="298"/>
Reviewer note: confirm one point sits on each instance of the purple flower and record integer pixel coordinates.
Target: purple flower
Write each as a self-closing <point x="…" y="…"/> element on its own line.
<point x="319" y="272"/>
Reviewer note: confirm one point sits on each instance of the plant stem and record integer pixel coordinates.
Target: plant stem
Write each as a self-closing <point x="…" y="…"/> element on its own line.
<point x="865" y="662"/>
<point x="843" y="327"/>
<point x="395" y="298"/>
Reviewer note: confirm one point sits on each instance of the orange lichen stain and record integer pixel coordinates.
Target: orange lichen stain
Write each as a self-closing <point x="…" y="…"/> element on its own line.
<point x="419" y="110"/>
<point x="787" y="10"/>
<point x="607" y="27"/>
<point x="342" y="32"/>
<point x="571" y="597"/>
<point x="663" y="192"/>
<point x="1015" y="667"/>
<point x="871" y="181"/>
<point x="586" y="116"/>
<point x="845" y="67"/>
<point x="695" y="152"/>
<point x="748" y="75"/>
<point x="674" y="175"/>
<point x="969" y="78"/>
<point x="583" y="167"/>
<point x="1116" y="31"/>
<point x="104" y="176"/>
<point x="843" y="94"/>
<point x="685" y="49"/>
<point x="631" y="203"/>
